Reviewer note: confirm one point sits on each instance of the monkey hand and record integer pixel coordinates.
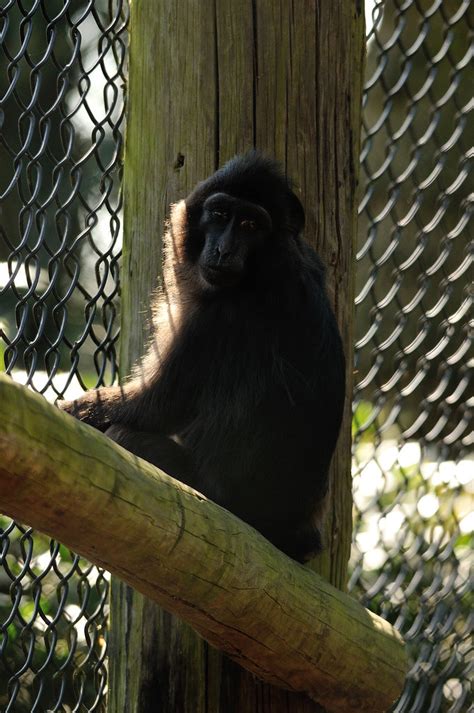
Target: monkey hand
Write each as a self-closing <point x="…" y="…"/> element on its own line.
<point x="93" y="408"/>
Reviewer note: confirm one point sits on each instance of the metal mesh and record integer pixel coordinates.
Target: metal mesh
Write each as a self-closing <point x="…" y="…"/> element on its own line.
<point x="413" y="471"/>
<point x="61" y="87"/>
<point x="61" y="115"/>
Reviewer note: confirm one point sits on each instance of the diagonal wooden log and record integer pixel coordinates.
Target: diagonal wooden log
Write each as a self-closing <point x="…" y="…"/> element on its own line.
<point x="273" y="616"/>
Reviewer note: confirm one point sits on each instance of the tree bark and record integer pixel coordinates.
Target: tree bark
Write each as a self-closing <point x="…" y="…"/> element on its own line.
<point x="207" y="81"/>
<point x="279" y="620"/>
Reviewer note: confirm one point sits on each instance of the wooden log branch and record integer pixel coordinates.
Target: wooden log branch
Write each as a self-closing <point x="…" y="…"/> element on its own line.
<point x="273" y="616"/>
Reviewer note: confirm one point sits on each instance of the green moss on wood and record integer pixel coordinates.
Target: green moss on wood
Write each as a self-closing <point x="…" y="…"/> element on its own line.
<point x="273" y="616"/>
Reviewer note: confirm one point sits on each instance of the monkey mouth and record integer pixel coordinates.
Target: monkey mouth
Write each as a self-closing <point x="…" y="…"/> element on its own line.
<point x="219" y="276"/>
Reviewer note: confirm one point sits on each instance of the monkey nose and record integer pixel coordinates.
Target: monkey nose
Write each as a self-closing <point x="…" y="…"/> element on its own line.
<point x="223" y="254"/>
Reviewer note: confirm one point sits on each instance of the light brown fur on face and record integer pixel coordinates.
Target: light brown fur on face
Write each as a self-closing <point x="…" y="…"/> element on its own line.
<point x="181" y="280"/>
<point x="174" y="300"/>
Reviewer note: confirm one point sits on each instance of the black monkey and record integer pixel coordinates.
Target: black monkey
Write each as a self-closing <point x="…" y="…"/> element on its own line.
<point x="241" y="393"/>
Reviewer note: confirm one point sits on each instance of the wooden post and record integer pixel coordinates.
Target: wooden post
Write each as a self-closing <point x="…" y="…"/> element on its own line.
<point x="209" y="80"/>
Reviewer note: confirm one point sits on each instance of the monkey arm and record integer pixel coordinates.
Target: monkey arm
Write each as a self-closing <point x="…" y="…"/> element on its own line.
<point x="161" y="403"/>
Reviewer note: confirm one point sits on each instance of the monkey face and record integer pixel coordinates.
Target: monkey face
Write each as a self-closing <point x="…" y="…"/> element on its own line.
<point x="233" y="231"/>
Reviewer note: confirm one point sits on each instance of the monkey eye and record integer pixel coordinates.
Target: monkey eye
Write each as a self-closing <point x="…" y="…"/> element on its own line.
<point x="219" y="214"/>
<point x="248" y="224"/>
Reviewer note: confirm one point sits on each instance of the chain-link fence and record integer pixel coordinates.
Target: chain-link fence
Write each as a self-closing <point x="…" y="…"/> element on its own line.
<point x="412" y="467"/>
<point x="61" y="113"/>
<point x="62" y="103"/>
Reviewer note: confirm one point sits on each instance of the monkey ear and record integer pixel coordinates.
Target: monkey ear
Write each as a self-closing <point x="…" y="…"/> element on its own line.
<point x="296" y="217"/>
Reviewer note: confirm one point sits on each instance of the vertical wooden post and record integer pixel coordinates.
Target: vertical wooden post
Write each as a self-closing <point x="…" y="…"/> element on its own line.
<point x="207" y="81"/>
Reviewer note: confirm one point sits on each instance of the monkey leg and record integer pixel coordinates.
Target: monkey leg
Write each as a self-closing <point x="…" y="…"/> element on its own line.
<point x="299" y="541"/>
<point x="156" y="449"/>
<point x="304" y="541"/>
<point x="303" y="544"/>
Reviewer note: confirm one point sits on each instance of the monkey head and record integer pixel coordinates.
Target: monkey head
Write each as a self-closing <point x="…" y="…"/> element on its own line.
<point x="233" y="230"/>
<point x="235" y="223"/>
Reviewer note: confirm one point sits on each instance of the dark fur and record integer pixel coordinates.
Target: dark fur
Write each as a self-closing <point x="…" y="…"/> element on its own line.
<point x="241" y="394"/>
